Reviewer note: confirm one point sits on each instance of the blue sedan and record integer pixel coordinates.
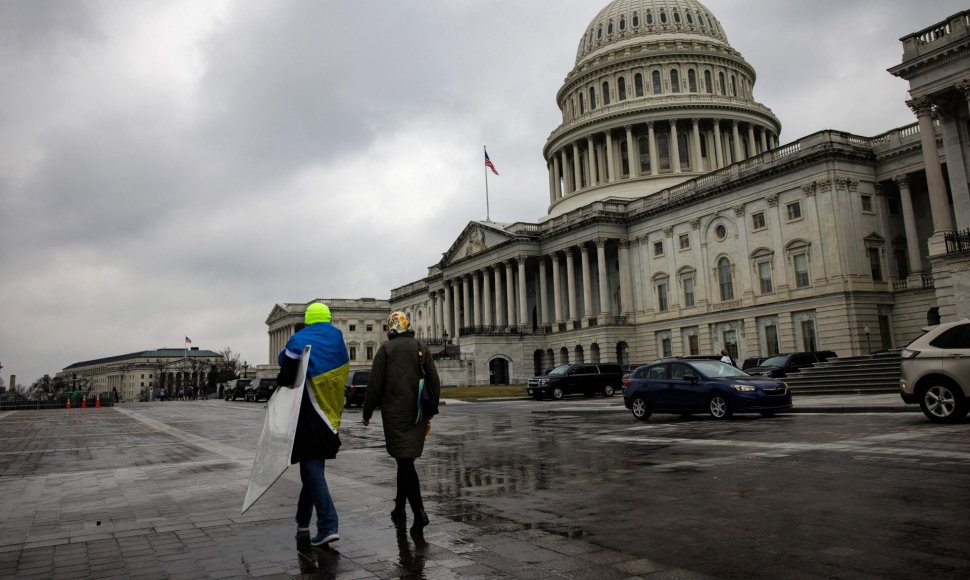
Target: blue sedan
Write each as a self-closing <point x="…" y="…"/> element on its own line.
<point x="702" y="386"/>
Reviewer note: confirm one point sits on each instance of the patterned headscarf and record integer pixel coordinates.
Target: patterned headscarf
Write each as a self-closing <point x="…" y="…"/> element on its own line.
<point x="398" y="323"/>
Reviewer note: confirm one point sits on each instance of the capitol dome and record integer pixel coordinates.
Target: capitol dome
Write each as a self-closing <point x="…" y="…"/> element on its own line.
<point x="657" y="96"/>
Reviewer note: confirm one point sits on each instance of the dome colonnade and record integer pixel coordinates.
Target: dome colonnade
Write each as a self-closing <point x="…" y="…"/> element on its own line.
<point x="657" y="96"/>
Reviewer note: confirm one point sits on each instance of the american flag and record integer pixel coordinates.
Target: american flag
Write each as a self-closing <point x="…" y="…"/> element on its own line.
<point x="188" y="340"/>
<point x="488" y="163"/>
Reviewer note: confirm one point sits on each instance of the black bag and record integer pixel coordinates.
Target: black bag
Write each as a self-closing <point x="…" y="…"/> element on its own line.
<point x="427" y="408"/>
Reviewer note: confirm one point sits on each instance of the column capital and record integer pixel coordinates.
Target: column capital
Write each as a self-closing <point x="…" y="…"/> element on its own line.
<point x="600" y="242"/>
<point x="583" y="249"/>
<point x="668" y="231"/>
<point x="902" y="180"/>
<point x="772" y="200"/>
<point x="921" y="106"/>
<point x="624" y="244"/>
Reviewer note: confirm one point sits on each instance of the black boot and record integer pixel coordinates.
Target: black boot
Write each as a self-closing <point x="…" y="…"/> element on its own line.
<point x="399" y="514"/>
<point x="420" y="521"/>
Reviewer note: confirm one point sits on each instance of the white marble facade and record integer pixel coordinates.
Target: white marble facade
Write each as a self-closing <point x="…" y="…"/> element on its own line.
<point x="679" y="224"/>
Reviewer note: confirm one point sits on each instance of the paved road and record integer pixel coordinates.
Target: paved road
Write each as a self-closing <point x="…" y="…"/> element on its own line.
<point x="516" y="489"/>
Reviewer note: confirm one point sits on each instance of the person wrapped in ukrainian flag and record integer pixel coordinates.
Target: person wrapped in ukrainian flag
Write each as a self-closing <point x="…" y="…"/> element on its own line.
<point x="318" y="426"/>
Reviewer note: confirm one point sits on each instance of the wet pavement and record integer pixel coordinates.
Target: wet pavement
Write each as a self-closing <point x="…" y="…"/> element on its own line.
<point x="846" y="488"/>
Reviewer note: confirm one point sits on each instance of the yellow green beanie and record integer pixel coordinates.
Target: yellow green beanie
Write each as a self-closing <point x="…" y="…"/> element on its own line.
<point x="316" y="312"/>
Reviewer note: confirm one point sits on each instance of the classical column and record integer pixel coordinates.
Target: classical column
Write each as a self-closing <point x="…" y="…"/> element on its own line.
<point x="610" y="165"/>
<point x="718" y="150"/>
<point x="565" y="172"/>
<point x="772" y="140"/>
<point x="764" y="139"/>
<point x="956" y="169"/>
<point x="557" y="289"/>
<point x="633" y="159"/>
<point x="752" y="146"/>
<point x="939" y="204"/>
<point x="543" y="288"/>
<point x="571" y="284"/>
<point x="698" y="164"/>
<point x="590" y="163"/>
<point x="456" y="307"/>
<point x="654" y="158"/>
<point x="487" y="298"/>
<point x="466" y="299"/>
<point x="557" y="178"/>
<point x="577" y="172"/>
<point x="499" y="312"/>
<point x="510" y="293"/>
<point x="603" y="280"/>
<point x="446" y="309"/>
<point x="626" y="282"/>
<point x="737" y="141"/>
<point x="587" y="282"/>
<point x="674" y="147"/>
<point x="476" y="299"/>
<point x="552" y="183"/>
<point x="909" y="224"/>
<point x="523" y="295"/>
<point x="433" y="301"/>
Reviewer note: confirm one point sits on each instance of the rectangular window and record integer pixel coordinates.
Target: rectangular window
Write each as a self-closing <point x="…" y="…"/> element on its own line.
<point x="808" y="335"/>
<point x="353" y="353"/>
<point x="875" y="264"/>
<point x="801" y="270"/>
<point x="662" y="297"/>
<point x="353" y="327"/>
<point x="665" y="350"/>
<point x="730" y="338"/>
<point x="370" y="327"/>
<point x="658" y="248"/>
<point x="867" y="204"/>
<point x="794" y="210"/>
<point x="688" y="292"/>
<point x="370" y="353"/>
<point x="764" y="277"/>
<point x="771" y="340"/>
<point x="693" y="345"/>
<point x="758" y="221"/>
<point x="684" y="241"/>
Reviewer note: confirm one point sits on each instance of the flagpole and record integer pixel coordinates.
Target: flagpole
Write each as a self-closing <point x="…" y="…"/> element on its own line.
<point x="487" y="212"/>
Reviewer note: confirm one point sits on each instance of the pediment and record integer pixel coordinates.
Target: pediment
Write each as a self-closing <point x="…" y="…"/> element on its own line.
<point x="278" y="311"/>
<point x="477" y="237"/>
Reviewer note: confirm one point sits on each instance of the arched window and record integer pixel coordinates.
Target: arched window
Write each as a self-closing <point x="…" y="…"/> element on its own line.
<point x="582" y="104"/>
<point x="682" y="150"/>
<point x="724" y="280"/>
<point x="734" y="86"/>
<point x="621" y="88"/>
<point x="622" y="22"/>
<point x="720" y="88"/>
<point x="638" y="84"/>
<point x="676" y="17"/>
<point x="609" y="28"/>
<point x="606" y="93"/>
<point x="690" y="18"/>
<point x="599" y="32"/>
<point x="674" y="81"/>
<point x="708" y="82"/>
<point x="663" y="150"/>
<point x="592" y="98"/>
<point x="643" y="144"/>
<point x="663" y="17"/>
<point x="636" y="20"/>
<point x="657" y="87"/>
<point x="649" y="17"/>
<point x="700" y="18"/>
<point x="691" y="80"/>
<point x="624" y="159"/>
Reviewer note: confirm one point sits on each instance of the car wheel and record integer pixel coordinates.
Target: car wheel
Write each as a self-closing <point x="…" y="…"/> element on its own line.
<point x="639" y="408"/>
<point x="557" y="393"/>
<point x="718" y="406"/>
<point x="943" y="403"/>
<point x="608" y="391"/>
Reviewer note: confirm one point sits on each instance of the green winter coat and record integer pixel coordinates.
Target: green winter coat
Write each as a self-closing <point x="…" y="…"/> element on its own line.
<point x="393" y="386"/>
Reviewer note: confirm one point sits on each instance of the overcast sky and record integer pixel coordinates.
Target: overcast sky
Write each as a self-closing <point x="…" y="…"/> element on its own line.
<point x="176" y="168"/>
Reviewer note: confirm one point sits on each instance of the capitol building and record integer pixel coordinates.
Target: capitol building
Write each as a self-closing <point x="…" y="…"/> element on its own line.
<point x="679" y="224"/>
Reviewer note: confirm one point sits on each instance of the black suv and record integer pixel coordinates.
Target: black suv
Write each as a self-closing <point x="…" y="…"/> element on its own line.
<point x="587" y="379"/>
<point x="782" y="365"/>
<point x="356" y="388"/>
<point x="236" y="389"/>
<point x="261" y="388"/>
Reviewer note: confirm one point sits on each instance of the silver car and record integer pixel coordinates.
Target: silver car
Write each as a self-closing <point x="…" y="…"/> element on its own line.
<point x="935" y="371"/>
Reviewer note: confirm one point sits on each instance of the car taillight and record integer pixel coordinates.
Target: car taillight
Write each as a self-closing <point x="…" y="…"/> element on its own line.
<point x="352" y="389"/>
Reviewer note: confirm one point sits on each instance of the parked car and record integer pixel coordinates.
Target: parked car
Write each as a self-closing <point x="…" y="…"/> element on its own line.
<point x="935" y="371"/>
<point x="586" y="379"/>
<point x="629" y="368"/>
<point x="261" y="388"/>
<point x="699" y="386"/>
<point x="236" y="389"/>
<point x="782" y="365"/>
<point x="753" y="361"/>
<point x="356" y="388"/>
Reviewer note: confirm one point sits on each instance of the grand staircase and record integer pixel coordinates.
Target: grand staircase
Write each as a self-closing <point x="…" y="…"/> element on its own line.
<point x="876" y="373"/>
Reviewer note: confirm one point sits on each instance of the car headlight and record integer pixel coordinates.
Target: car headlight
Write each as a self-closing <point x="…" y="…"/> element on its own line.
<point x="543" y="382"/>
<point x="743" y="388"/>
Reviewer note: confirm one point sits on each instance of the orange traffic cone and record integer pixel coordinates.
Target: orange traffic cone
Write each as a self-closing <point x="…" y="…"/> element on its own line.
<point x="97" y="403"/>
<point x="68" y="403"/>
<point x="84" y="403"/>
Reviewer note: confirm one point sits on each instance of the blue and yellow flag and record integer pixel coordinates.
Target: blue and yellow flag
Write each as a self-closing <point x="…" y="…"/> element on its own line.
<point x="327" y="371"/>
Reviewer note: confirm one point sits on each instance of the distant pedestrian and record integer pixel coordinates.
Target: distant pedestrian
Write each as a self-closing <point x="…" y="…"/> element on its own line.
<point x="321" y="410"/>
<point x="402" y="366"/>
<point x="161" y="394"/>
<point x="114" y="393"/>
<point x="726" y="357"/>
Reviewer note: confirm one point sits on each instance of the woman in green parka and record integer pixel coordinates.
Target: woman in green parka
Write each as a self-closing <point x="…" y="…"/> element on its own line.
<point x="399" y="366"/>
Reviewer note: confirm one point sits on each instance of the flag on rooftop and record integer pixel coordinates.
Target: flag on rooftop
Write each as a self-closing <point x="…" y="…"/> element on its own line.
<point x="488" y="163"/>
<point x="188" y="340"/>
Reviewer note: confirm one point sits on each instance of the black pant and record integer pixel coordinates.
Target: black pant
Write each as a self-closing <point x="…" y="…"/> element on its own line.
<point x="408" y="486"/>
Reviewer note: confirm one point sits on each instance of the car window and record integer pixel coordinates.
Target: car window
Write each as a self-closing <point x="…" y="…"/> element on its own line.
<point x="656" y="372"/>
<point x="802" y="359"/>
<point x="361" y="378"/>
<point x="559" y="371"/>
<point x="775" y="361"/>
<point x="956" y="337"/>
<point x="677" y="371"/>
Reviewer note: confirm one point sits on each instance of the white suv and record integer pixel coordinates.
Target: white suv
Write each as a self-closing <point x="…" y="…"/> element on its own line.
<point x="935" y="371"/>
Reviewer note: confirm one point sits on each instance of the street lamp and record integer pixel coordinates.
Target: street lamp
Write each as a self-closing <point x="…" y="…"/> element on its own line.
<point x="245" y="368"/>
<point x="868" y="344"/>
